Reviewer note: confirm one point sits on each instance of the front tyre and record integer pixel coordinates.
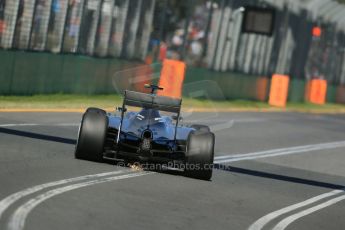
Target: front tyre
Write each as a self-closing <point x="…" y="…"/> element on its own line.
<point x="92" y="134"/>
<point x="199" y="155"/>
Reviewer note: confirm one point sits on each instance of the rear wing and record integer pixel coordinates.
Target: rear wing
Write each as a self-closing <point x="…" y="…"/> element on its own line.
<point x="151" y="101"/>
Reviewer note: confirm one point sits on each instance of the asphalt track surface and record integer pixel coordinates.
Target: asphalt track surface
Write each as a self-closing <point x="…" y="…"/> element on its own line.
<point x="275" y="171"/>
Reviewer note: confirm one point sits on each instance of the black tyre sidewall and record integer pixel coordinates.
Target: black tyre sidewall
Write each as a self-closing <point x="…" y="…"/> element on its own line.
<point x="92" y="134"/>
<point x="95" y="110"/>
<point x="199" y="155"/>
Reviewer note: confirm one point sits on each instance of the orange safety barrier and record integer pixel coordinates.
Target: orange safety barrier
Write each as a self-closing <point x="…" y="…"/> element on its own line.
<point x="279" y="90"/>
<point x="172" y="77"/>
<point x="317" y="91"/>
<point x="261" y="88"/>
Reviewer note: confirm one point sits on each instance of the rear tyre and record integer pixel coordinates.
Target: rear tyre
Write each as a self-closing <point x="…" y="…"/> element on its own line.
<point x="92" y="134"/>
<point x="199" y="155"/>
<point x="95" y="110"/>
<point x="203" y="128"/>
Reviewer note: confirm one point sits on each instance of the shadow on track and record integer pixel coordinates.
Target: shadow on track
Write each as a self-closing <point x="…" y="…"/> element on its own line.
<point x="216" y="166"/>
<point x="38" y="136"/>
<point x="278" y="177"/>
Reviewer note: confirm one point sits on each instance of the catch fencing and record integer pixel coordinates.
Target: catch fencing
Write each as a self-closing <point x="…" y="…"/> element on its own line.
<point x="204" y="33"/>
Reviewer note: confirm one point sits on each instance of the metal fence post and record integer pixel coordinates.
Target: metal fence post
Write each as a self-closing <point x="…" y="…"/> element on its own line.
<point x="32" y="24"/>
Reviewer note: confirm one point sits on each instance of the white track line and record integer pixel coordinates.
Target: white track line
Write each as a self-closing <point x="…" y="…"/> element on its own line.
<point x="9" y="200"/>
<point x="17" y="220"/>
<point x="278" y="152"/>
<point x="260" y="223"/>
<point x="14" y="125"/>
<point x="212" y="120"/>
<point x="287" y="221"/>
<point x="245" y="120"/>
<point x="5" y="203"/>
<point x="34" y="124"/>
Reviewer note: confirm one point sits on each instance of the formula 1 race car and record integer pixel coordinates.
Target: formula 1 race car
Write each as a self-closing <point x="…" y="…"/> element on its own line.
<point x="147" y="136"/>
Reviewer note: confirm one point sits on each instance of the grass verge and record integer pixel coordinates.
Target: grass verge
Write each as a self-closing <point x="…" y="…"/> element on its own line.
<point x="76" y="103"/>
